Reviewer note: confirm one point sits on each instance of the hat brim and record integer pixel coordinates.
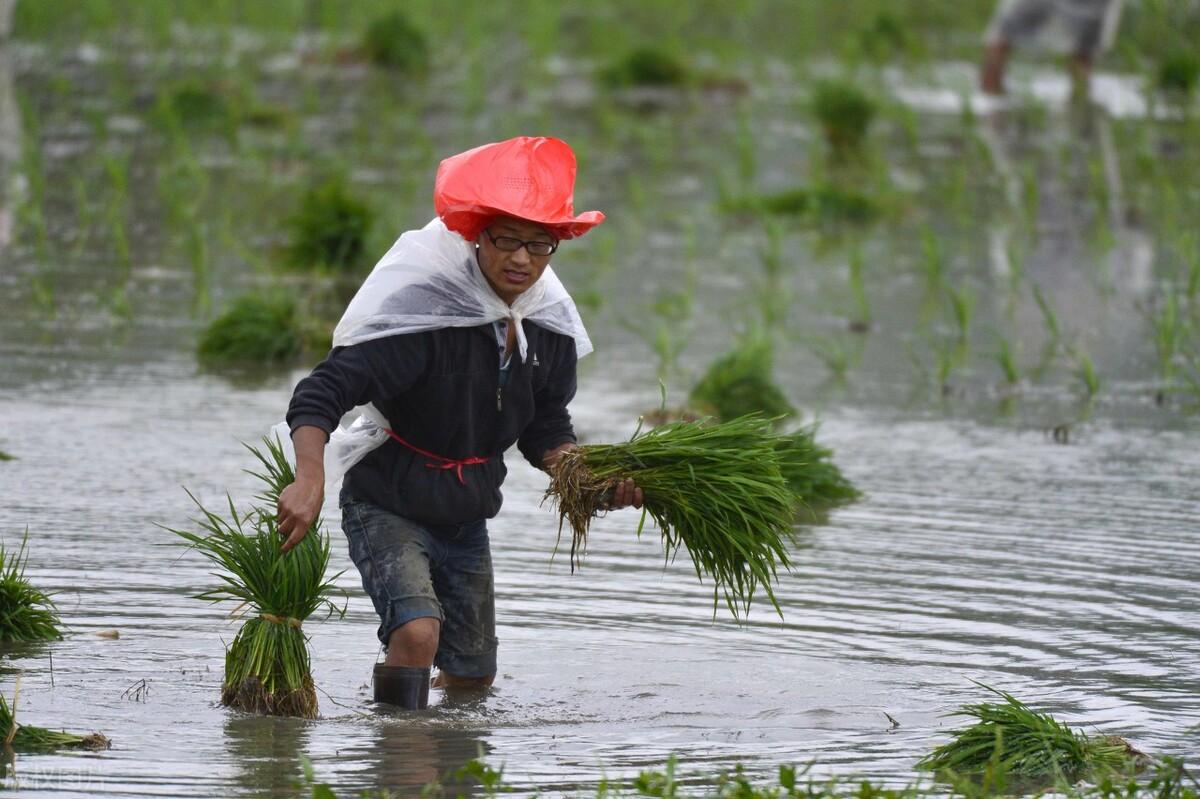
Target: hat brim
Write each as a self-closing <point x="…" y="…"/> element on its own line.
<point x="470" y="222"/>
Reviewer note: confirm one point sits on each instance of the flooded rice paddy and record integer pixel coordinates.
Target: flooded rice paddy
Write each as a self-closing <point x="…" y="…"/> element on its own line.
<point x="1038" y="535"/>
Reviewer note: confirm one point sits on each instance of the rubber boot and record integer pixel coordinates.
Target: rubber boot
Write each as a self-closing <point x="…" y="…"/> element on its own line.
<point x="403" y="686"/>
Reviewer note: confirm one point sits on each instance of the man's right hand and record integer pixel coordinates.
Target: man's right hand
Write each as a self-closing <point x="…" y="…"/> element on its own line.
<point x="299" y="505"/>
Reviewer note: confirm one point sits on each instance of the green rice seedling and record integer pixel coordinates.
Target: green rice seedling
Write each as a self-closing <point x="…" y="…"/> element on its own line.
<point x="267" y="667"/>
<point x="845" y="113"/>
<point x="833" y="353"/>
<point x="714" y="489"/>
<point x="741" y="382"/>
<point x="1008" y="363"/>
<point x="1170" y="334"/>
<point x="28" y="738"/>
<point x="962" y="308"/>
<point x="1025" y="744"/>
<point x="1086" y="371"/>
<point x="814" y="479"/>
<point x="646" y="66"/>
<point x="329" y="227"/>
<point x="198" y="105"/>
<point x="933" y="260"/>
<point x="26" y="612"/>
<point x="256" y="328"/>
<point x="1048" y="316"/>
<point x="883" y="38"/>
<point x="861" y="321"/>
<point x="826" y="203"/>
<point x="395" y="43"/>
<point x="4" y="456"/>
<point x="1178" y="72"/>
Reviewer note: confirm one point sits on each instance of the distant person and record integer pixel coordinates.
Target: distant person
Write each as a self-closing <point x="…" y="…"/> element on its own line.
<point x="1081" y="28"/>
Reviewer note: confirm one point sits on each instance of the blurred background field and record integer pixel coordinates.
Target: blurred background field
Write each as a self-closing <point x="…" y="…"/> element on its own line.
<point x="990" y="305"/>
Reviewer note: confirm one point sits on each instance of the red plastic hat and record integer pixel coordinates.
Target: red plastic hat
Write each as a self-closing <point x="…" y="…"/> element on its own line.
<point x="529" y="177"/>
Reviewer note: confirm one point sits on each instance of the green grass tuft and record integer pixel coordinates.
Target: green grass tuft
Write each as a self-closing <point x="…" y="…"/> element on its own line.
<point x="267" y="667"/>
<point x="394" y="42"/>
<point x="26" y="613"/>
<point x="1017" y="741"/>
<point x="329" y="227"/>
<point x="714" y="489"/>
<point x="4" y="456"/>
<point x="824" y="203"/>
<point x="1178" y="72"/>
<point x="741" y="382"/>
<point x="257" y="328"/>
<point x="845" y="114"/>
<point x="645" y="66"/>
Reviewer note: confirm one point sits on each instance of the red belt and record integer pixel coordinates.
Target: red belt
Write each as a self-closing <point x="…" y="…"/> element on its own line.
<point x="437" y="461"/>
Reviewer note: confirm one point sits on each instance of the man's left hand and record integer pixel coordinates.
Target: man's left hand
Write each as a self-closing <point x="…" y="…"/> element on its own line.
<point x="624" y="493"/>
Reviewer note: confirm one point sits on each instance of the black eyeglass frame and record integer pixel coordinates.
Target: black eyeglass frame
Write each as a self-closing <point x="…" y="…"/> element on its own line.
<point x="521" y="243"/>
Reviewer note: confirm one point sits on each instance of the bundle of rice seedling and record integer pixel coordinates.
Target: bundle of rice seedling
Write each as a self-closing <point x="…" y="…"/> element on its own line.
<point x="741" y="383"/>
<point x="26" y="612"/>
<point x="25" y="737"/>
<point x="715" y="489"/>
<point x="1019" y="742"/>
<point x="816" y="482"/>
<point x="267" y="667"/>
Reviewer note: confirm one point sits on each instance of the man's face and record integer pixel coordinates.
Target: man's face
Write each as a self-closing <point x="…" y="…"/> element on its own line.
<point x="511" y="273"/>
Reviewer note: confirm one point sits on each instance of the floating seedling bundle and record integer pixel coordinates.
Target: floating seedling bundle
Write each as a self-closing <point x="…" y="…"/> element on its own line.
<point x="25" y="737"/>
<point x="814" y="479"/>
<point x="1016" y="741"/>
<point x="715" y="489"/>
<point x="26" y="612"/>
<point x="267" y="668"/>
<point x="741" y="382"/>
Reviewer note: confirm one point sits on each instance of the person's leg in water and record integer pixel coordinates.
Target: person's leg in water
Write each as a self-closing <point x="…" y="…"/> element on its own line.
<point x="392" y="555"/>
<point x="1013" y="21"/>
<point x="465" y="586"/>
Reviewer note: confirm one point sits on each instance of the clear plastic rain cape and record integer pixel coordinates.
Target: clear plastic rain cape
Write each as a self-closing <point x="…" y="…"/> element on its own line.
<point x="429" y="279"/>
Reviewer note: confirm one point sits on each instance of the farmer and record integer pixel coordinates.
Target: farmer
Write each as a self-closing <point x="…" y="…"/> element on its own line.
<point x="1086" y="27"/>
<point x="460" y="343"/>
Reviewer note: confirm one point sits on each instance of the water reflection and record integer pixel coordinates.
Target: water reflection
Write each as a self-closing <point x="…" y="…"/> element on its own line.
<point x="410" y="752"/>
<point x="266" y="751"/>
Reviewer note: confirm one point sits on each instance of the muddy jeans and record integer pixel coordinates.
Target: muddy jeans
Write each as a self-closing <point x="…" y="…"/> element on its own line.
<point x="414" y="571"/>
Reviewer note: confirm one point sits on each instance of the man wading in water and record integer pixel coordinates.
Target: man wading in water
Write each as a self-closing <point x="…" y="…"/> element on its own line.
<point x="461" y="342"/>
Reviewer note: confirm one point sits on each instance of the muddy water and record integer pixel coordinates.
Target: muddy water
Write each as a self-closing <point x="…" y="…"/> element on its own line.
<point x="983" y="551"/>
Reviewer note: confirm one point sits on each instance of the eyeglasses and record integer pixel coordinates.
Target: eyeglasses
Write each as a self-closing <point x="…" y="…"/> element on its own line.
<point x="511" y="244"/>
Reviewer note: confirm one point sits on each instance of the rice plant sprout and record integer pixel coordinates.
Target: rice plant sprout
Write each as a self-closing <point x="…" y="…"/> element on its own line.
<point x="26" y="737"/>
<point x="714" y="489"/>
<point x="267" y="667"/>
<point x="1011" y="737"/>
<point x="26" y="612"/>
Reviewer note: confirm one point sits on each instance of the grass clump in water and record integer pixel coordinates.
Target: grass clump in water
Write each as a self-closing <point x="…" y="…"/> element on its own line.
<point x="814" y="479"/>
<point x="4" y="456"/>
<point x="714" y="489"/>
<point x="26" y="737"/>
<point x="1011" y="738"/>
<point x="845" y="113"/>
<point x="741" y="382"/>
<point x="1178" y="72"/>
<point x="257" y="328"/>
<point x="267" y="667"/>
<point x="826" y="203"/>
<point x="26" y="613"/>
<point x="393" y="42"/>
<point x="198" y="105"/>
<point x="329" y="228"/>
<point x="646" y="66"/>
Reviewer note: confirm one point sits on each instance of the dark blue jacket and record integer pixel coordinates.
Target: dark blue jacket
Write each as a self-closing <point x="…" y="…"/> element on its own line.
<point x="441" y="391"/>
